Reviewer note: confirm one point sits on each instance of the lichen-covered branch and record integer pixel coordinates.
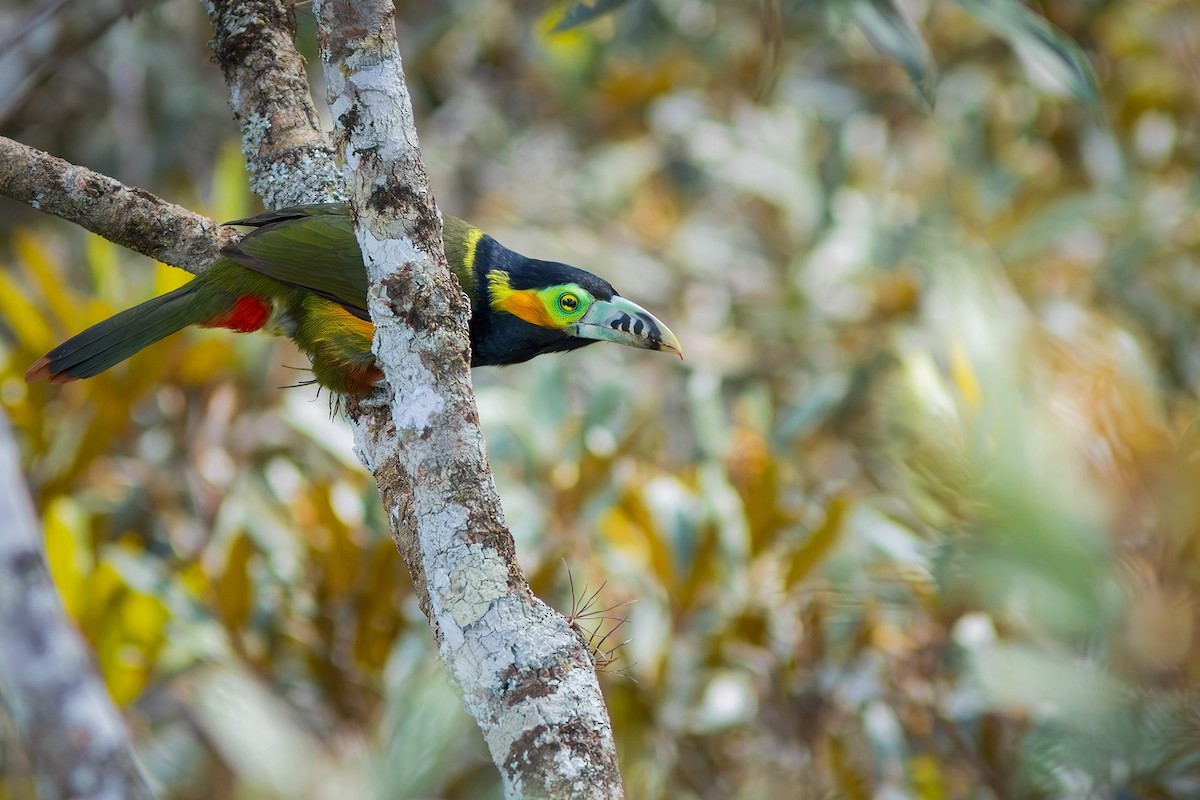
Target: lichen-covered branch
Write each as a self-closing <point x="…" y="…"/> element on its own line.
<point x="126" y="215"/>
<point x="70" y="729"/>
<point x="289" y="159"/>
<point x="525" y="676"/>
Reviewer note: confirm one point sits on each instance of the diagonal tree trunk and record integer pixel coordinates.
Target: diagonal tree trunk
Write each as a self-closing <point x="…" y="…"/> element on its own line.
<point x="70" y="729"/>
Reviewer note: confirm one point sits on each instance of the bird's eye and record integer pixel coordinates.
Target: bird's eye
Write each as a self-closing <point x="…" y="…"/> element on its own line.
<point x="568" y="303"/>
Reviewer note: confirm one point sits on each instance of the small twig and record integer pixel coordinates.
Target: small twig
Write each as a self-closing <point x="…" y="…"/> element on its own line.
<point x="611" y="631"/>
<point x="32" y="21"/>
<point x="581" y="609"/>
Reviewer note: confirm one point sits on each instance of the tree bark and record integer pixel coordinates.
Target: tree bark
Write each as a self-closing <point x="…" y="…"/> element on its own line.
<point x="526" y="677"/>
<point x="288" y="157"/>
<point x="74" y="735"/>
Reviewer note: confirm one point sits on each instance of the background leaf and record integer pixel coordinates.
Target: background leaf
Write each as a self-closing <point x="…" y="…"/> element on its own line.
<point x="1056" y="57"/>
<point x="580" y="13"/>
<point x="891" y="30"/>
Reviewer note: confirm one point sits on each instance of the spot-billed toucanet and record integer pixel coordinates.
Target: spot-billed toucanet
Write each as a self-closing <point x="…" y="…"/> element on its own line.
<point x="300" y="273"/>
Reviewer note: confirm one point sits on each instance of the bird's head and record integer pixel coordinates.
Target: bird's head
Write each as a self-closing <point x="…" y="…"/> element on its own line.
<point x="543" y="307"/>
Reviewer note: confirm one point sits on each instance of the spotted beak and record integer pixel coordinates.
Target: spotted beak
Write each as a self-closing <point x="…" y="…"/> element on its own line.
<point x="624" y="322"/>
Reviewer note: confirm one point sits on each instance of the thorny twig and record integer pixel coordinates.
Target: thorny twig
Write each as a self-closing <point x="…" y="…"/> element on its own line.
<point x="581" y="609"/>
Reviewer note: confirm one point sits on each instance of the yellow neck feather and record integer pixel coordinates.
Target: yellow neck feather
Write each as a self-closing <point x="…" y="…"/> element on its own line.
<point x="522" y="303"/>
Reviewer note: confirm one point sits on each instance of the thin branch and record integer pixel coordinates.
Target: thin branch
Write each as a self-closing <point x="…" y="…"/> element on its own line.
<point x="31" y="50"/>
<point x="67" y="723"/>
<point x="128" y="216"/>
<point x="526" y="678"/>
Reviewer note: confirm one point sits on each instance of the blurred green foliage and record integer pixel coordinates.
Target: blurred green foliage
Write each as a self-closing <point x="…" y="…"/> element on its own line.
<point x="916" y="518"/>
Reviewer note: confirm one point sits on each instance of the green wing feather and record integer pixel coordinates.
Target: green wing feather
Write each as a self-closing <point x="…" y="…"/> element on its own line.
<point x="313" y="247"/>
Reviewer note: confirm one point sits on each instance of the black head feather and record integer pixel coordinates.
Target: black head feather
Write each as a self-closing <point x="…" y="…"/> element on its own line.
<point x="499" y="338"/>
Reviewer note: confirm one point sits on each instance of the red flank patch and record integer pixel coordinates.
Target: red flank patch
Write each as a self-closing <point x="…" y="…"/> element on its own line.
<point x="248" y="314"/>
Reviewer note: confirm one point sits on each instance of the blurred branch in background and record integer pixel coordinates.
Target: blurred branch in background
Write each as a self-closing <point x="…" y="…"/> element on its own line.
<point x="68" y="726"/>
<point x="32" y="46"/>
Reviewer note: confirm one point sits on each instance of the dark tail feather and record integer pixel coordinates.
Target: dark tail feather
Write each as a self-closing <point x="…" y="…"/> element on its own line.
<point x="117" y="338"/>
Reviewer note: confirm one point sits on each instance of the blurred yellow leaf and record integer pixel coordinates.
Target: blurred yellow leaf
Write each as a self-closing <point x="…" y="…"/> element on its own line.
<point x="65" y="528"/>
<point x="339" y="555"/>
<point x="380" y="617"/>
<point x="852" y="784"/>
<point x="209" y="355"/>
<point x="630" y="528"/>
<point x="168" y="278"/>
<point x="819" y="543"/>
<point x="125" y="674"/>
<point x="135" y="634"/>
<point x="569" y="49"/>
<point x="233" y="588"/>
<point x="103" y="593"/>
<point x="193" y="578"/>
<point x="47" y="276"/>
<point x="619" y="531"/>
<point x="21" y="315"/>
<point x="964" y="376"/>
<point x="230" y="185"/>
<point x="104" y="261"/>
<point x="125" y="627"/>
<point x="925" y="775"/>
<point x="143" y="618"/>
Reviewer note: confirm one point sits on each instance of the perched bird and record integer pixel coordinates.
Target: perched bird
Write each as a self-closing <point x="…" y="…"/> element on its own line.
<point x="300" y="273"/>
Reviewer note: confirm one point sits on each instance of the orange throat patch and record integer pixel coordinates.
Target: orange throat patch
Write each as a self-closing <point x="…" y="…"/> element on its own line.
<point x="521" y="303"/>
